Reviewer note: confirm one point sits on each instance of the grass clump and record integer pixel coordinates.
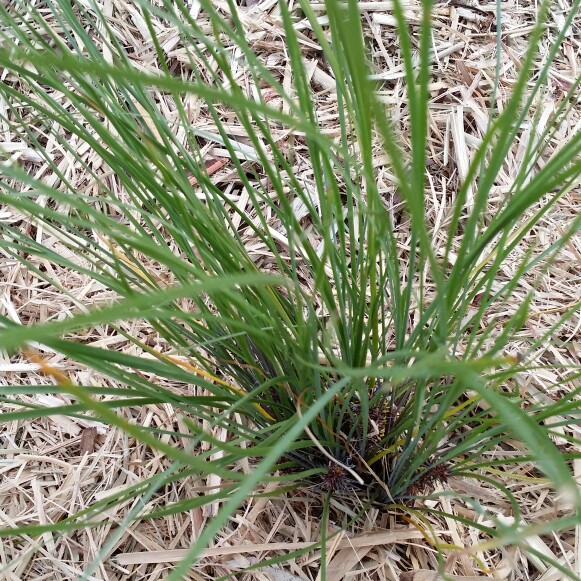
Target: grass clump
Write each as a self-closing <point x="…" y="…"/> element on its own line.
<point x="337" y="338"/>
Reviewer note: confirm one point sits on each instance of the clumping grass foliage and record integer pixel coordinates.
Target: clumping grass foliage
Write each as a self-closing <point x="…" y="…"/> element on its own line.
<point x="361" y="363"/>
